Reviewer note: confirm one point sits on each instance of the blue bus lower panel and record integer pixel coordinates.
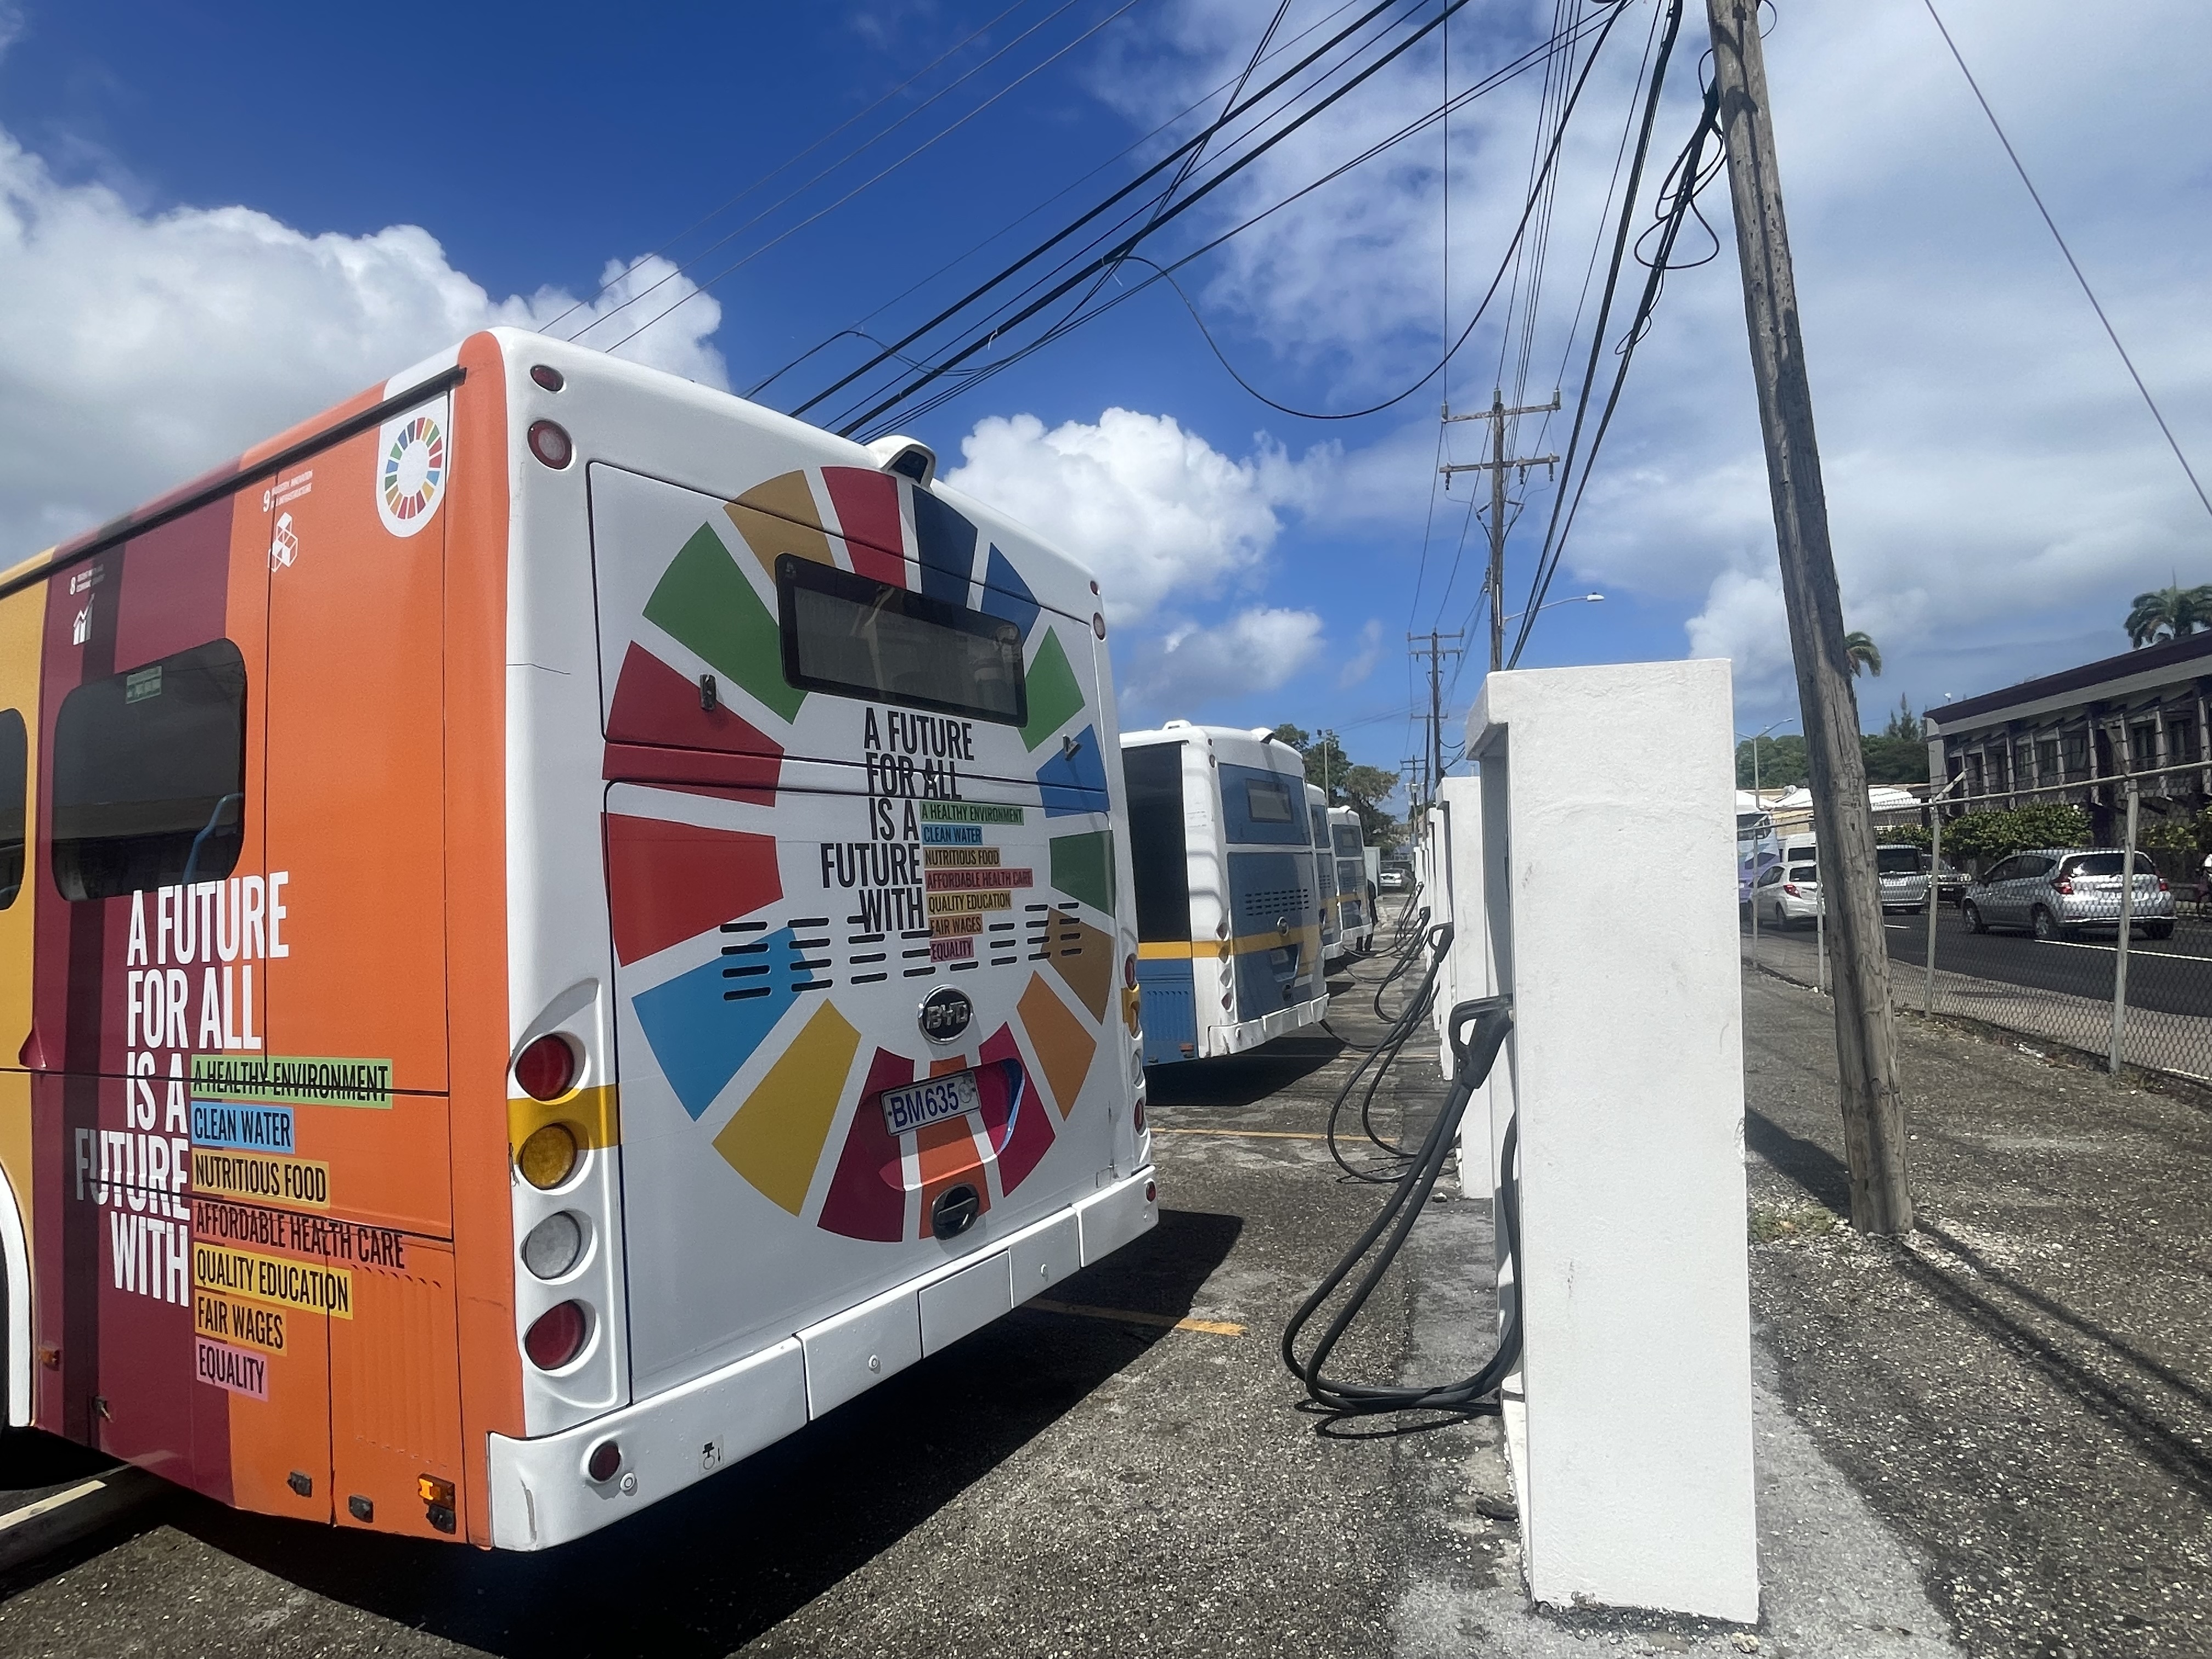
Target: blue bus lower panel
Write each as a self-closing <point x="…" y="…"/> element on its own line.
<point x="1269" y="892"/>
<point x="1168" y="1006"/>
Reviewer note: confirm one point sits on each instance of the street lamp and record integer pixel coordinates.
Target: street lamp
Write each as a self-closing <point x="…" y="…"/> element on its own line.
<point x="1571" y="599"/>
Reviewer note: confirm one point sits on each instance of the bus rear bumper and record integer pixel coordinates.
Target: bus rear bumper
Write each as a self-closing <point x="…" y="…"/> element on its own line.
<point x="542" y="1492"/>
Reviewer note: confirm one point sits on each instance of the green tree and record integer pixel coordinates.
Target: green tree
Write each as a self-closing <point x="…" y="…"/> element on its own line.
<point x="2168" y="612"/>
<point x="1898" y="753"/>
<point x="1367" y="787"/>
<point x="1989" y="836"/>
<point x="1863" y="654"/>
<point x="1782" y="762"/>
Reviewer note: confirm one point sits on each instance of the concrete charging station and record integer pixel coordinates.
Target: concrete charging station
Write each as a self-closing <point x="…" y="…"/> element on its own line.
<point x="1594" y="885"/>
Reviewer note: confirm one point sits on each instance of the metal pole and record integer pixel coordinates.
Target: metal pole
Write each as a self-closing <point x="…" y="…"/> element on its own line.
<point x="2127" y="923"/>
<point x="1935" y="895"/>
<point x="1757" y="805"/>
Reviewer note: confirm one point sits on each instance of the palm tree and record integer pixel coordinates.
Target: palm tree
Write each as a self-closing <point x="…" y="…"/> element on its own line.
<point x="2168" y="612"/>
<point x="1861" y="653"/>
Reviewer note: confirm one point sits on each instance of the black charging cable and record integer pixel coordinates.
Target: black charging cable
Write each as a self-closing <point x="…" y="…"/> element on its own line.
<point x="1477" y="1032"/>
<point x="1376" y="1063"/>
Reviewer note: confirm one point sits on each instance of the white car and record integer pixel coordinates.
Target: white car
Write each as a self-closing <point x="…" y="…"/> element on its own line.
<point x="1788" y="896"/>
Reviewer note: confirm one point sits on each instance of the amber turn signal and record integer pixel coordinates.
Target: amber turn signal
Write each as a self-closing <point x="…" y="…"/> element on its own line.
<point x="549" y="1156"/>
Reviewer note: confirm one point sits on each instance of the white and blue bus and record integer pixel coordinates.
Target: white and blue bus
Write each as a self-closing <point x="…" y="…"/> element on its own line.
<point x="1355" y="904"/>
<point x="1229" y="913"/>
<point x="1324" y="859"/>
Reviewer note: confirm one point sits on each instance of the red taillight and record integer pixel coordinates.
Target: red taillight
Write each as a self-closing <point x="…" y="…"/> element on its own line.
<point x="558" y="1337"/>
<point x="546" y="1068"/>
<point x="604" y="1462"/>
<point x="1151" y="1191"/>
<point x="2161" y="884"/>
<point x="1129" y="969"/>
<point x="549" y="444"/>
<point x="1790" y="888"/>
<point x="2065" y="887"/>
<point x="549" y="377"/>
<point x="1139" y="1118"/>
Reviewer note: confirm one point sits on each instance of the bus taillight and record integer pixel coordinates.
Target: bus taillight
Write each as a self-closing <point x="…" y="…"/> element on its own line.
<point x="547" y="1157"/>
<point x="546" y="1068"/>
<point x="558" y="1336"/>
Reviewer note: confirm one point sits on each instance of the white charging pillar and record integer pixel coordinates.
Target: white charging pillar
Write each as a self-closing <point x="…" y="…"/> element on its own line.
<point x="1456" y="827"/>
<point x="1609" y="901"/>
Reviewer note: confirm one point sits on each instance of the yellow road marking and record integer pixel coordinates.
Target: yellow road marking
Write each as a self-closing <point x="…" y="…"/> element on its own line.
<point x="1131" y="1316"/>
<point x="46" y="1505"/>
<point x="1261" y="1135"/>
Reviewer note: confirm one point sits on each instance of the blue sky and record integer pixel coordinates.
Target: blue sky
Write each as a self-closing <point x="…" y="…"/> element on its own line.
<point x="214" y="218"/>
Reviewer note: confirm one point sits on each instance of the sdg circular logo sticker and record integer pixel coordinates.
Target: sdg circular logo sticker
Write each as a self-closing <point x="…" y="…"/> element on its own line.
<point x="411" y="469"/>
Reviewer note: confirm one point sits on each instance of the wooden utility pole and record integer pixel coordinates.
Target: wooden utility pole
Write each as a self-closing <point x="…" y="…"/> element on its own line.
<point x="1866" y="1038"/>
<point x="1494" y="577"/>
<point x="1435" y="653"/>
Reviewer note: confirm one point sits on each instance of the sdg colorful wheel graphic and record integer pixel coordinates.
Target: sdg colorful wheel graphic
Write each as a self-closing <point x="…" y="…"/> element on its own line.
<point x="414" y="468"/>
<point x="719" y="966"/>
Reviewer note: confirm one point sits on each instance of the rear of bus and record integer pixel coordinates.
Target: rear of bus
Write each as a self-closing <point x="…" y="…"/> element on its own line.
<point x="1354" y="905"/>
<point x="1332" y="925"/>
<point x="518" y="992"/>
<point x="830" y="749"/>
<point x="1226" y="890"/>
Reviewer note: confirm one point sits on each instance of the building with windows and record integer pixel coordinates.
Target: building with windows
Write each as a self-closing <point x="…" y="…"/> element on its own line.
<point x="2066" y="737"/>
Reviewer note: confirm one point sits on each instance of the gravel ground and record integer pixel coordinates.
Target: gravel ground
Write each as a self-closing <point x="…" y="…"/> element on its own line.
<point x="2020" y="1389"/>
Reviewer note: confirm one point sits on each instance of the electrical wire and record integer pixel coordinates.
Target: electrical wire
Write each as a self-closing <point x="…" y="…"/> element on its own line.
<point x="1491" y="1019"/>
<point x="1658" y="78"/>
<point x="1166" y="272"/>
<point x="1069" y="229"/>
<point x="2050" y="224"/>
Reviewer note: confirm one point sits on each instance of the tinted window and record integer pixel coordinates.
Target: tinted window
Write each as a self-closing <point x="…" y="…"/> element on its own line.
<point x="1897" y="860"/>
<point x="1268" y="802"/>
<point x="1805" y="872"/>
<point x="14" y="797"/>
<point x="1158" y="864"/>
<point x="2029" y="867"/>
<point x="1260" y="805"/>
<point x="1768" y="877"/>
<point x="1347" y="841"/>
<point x="149" y="775"/>
<point x="2106" y="863"/>
<point x="1319" y="827"/>
<point x="856" y="637"/>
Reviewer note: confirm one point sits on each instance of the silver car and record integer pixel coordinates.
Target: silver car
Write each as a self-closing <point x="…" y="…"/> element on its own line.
<point x="2053" y="891"/>
<point x="1903" y="873"/>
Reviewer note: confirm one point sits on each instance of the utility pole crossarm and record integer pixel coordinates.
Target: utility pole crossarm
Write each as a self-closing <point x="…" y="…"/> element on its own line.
<point x="1494" y="411"/>
<point x="1498" y="465"/>
<point x="1523" y="462"/>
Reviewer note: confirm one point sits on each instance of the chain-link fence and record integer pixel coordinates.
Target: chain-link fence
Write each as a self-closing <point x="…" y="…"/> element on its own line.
<point x="2029" y="938"/>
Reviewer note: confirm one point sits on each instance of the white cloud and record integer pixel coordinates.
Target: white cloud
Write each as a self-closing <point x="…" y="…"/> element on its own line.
<point x="138" y="349"/>
<point x="1362" y="662"/>
<point x="1151" y="509"/>
<point x="1257" y="649"/>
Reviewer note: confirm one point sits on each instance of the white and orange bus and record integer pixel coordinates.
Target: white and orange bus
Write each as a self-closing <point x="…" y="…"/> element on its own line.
<point x="555" y="925"/>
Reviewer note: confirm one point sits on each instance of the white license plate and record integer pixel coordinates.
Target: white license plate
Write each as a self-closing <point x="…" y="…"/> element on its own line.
<point x="910" y="1108"/>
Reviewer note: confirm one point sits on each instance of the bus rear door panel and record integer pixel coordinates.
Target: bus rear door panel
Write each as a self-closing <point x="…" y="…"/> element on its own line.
<point x="22" y="615"/>
<point x="806" y="841"/>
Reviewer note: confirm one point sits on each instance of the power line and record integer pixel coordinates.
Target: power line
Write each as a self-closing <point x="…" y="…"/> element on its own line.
<point x="1138" y="183"/>
<point x="1491" y="83"/>
<point x="1673" y="27"/>
<point x="2111" y="333"/>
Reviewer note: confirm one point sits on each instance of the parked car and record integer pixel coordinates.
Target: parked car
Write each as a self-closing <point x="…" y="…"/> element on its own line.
<point x="2053" y="891"/>
<point x="1788" y="896"/>
<point x="1903" y="873"/>
<point x="1394" y="879"/>
<point x="1951" y="882"/>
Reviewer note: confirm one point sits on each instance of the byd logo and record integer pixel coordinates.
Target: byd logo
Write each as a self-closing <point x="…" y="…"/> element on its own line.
<point x="946" y="1014"/>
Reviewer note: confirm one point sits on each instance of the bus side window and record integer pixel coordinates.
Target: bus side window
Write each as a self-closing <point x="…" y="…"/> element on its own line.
<point x="149" y="775"/>
<point x="14" y="794"/>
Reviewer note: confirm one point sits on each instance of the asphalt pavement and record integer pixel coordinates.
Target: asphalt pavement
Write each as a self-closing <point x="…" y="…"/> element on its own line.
<point x="2170" y="976"/>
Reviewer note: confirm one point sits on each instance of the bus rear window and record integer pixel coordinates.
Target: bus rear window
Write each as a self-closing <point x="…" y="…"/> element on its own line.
<point x="855" y="637"/>
<point x="14" y="795"/>
<point x="1268" y="802"/>
<point x="149" y="775"/>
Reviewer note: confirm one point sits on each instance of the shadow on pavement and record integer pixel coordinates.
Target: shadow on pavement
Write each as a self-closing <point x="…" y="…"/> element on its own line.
<point x="709" y="1570"/>
<point x="1961" y="1277"/>
<point x="1243" y="1079"/>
